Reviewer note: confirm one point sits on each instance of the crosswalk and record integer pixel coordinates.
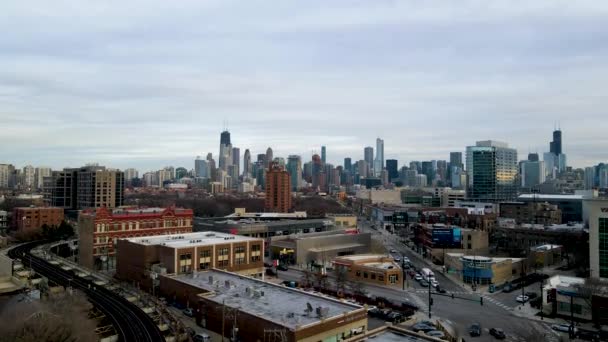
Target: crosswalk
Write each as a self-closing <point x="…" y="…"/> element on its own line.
<point x="497" y="303"/>
<point x="422" y="305"/>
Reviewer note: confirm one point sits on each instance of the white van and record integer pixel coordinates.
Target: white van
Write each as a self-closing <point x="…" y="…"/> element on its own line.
<point x="201" y="337"/>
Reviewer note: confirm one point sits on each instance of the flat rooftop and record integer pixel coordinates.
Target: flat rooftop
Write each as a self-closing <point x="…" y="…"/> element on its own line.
<point x="551" y="197"/>
<point x="190" y="239"/>
<point x="297" y="214"/>
<point x="279" y="304"/>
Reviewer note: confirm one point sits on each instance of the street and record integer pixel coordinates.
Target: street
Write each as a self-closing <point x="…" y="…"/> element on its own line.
<point x="460" y="313"/>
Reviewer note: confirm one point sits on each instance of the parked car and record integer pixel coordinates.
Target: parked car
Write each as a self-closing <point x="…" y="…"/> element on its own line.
<point x="475" y="330"/>
<point x="266" y="264"/>
<point x="188" y="312"/>
<point x="393" y="251"/>
<point x="435" y="333"/>
<point x="201" y="338"/>
<point x="282" y="268"/>
<point x="440" y="289"/>
<point x="423" y="327"/>
<point x="498" y="333"/>
<point x="418" y="277"/>
<point x="406" y="260"/>
<point x="531" y="295"/>
<point x="434" y="283"/>
<point x="522" y="298"/>
<point x="424" y="283"/>
<point x="562" y="327"/>
<point x="375" y="312"/>
<point x="588" y="335"/>
<point x="394" y="317"/>
<point x="397" y="259"/>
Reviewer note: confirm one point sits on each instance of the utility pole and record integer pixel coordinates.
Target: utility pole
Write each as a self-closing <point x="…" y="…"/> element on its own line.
<point x="542" y="298"/>
<point x="403" y="270"/>
<point x="571" y="333"/>
<point x="223" y="318"/>
<point x="430" y="298"/>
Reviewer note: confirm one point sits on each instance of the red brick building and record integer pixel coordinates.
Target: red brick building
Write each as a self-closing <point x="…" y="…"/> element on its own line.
<point x="99" y="230"/>
<point x="31" y="219"/>
<point x="278" y="193"/>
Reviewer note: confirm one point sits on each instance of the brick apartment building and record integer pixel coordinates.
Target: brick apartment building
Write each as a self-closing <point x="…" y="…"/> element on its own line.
<point x="99" y="230"/>
<point x="370" y="268"/>
<point x="30" y="219"/>
<point x="185" y="253"/>
<point x="278" y="193"/>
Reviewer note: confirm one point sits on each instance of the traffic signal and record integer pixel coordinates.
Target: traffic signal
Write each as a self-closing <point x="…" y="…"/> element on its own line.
<point x="431" y="301"/>
<point x="481" y="300"/>
<point x="452" y="296"/>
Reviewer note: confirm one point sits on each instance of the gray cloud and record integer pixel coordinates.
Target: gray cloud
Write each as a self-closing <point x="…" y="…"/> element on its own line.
<point x="149" y="83"/>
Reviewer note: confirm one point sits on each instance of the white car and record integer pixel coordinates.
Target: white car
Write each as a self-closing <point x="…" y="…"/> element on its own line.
<point x="562" y="327"/>
<point x="434" y="283"/>
<point x="418" y="277"/>
<point x="406" y="259"/>
<point x="522" y="299"/>
<point x="393" y="251"/>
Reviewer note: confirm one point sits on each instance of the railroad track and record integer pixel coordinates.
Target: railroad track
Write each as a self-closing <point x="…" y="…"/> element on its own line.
<point x="130" y="322"/>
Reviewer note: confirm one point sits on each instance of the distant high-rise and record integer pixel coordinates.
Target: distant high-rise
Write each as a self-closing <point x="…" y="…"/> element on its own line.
<point x="29" y="176"/>
<point x="294" y="167"/>
<point x="368" y="156"/>
<point x="41" y="173"/>
<point x="532" y="173"/>
<point x="492" y="171"/>
<point x="225" y="157"/>
<point x="348" y="165"/>
<point x="590" y="178"/>
<point x="247" y="164"/>
<point x="555" y="160"/>
<point x="85" y="187"/>
<point x="6" y="174"/>
<point x="323" y="154"/>
<point x="318" y="172"/>
<point x="278" y="194"/>
<point x="236" y="162"/>
<point x="379" y="159"/>
<point x="428" y="171"/>
<point x="456" y="159"/>
<point x="201" y="168"/>
<point x="269" y="157"/>
<point x="533" y="157"/>
<point x="416" y="165"/>
<point x="392" y="169"/>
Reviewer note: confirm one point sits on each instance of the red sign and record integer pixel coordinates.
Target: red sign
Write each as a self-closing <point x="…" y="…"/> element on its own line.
<point x="234" y="231"/>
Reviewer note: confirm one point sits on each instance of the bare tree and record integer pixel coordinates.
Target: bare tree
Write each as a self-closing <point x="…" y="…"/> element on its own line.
<point x="377" y="247"/>
<point x="307" y="278"/>
<point x="586" y="291"/>
<point x="341" y="279"/>
<point x="59" y="319"/>
<point x="356" y="288"/>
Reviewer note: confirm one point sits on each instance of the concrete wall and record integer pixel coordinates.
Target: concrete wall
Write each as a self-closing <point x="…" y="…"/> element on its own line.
<point x="6" y="266"/>
<point x="303" y="246"/>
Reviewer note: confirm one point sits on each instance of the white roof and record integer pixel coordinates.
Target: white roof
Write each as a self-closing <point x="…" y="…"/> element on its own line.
<point x="190" y="239"/>
<point x="549" y="196"/>
<point x="245" y="293"/>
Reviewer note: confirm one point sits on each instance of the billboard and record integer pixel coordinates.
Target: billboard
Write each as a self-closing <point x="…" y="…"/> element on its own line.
<point x="446" y="237"/>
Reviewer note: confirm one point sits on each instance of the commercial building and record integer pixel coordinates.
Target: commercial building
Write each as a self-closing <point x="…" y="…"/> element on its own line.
<point x="571" y="206"/>
<point x="391" y="168"/>
<point x="278" y="193"/>
<point x="562" y="296"/>
<point x="30" y="219"/>
<point x="369" y="268"/>
<point x="434" y="241"/>
<point x="531" y="212"/>
<point x="596" y="217"/>
<point x="492" y="171"/>
<point x="482" y="270"/>
<point x="518" y="240"/>
<point x="318" y="248"/>
<point x="86" y="187"/>
<point x="343" y="220"/>
<point x="100" y="229"/>
<point x="255" y="310"/>
<point x="555" y="160"/>
<point x="139" y="259"/>
<point x="532" y="173"/>
<point x="3" y="221"/>
<point x="380" y="196"/>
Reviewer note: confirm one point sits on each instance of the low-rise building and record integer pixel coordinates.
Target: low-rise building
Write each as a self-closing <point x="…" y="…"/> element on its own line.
<point x="531" y="212"/>
<point x="99" y="230"/>
<point x="3" y="221"/>
<point x="546" y="255"/>
<point x="319" y="248"/>
<point x="138" y="259"/>
<point x="254" y="310"/>
<point x="370" y="268"/>
<point x="375" y="196"/>
<point x="484" y="270"/>
<point x="436" y="240"/>
<point x="30" y="219"/>
<point x="562" y="291"/>
<point x="343" y="220"/>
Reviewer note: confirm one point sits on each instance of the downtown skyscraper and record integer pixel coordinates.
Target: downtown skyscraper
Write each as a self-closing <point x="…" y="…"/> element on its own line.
<point x="492" y="171"/>
<point x="379" y="160"/>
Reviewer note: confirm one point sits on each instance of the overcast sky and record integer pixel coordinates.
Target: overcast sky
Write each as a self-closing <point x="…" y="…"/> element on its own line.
<point x="152" y="83"/>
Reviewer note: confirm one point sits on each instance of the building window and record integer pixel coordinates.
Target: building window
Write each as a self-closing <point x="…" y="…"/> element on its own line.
<point x="392" y="278"/>
<point x="222" y="263"/>
<point x="469" y="246"/>
<point x="185" y="263"/>
<point x="204" y="265"/>
<point x="256" y="248"/>
<point x="239" y="249"/>
<point x="223" y="251"/>
<point x="603" y="247"/>
<point x="380" y="277"/>
<point x="239" y="261"/>
<point x="365" y="275"/>
<point x="205" y="254"/>
<point x="373" y="276"/>
<point x="358" y="273"/>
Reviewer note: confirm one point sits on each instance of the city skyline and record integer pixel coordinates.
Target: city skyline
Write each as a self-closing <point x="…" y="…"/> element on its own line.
<point x="428" y="78"/>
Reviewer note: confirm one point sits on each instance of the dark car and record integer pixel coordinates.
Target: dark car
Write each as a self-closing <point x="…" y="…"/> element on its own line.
<point x="282" y="268"/>
<point x="588" y="335"/>
<point x="531" y="295"/>
<point x="440" y="289"/>
<point x="266" y="264"/>
<point x="423" y="327"/>
<point x="270" y="272"/>
<point x="475" y="330"/>
<point x="498" y="333"/>
<point x="394" y="317"/>
<point x="375" y="312"/>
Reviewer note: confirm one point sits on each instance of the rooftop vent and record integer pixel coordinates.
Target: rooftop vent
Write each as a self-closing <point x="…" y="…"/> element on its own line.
<point x="211" y="279"/>
<point x="227" y="284"/>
